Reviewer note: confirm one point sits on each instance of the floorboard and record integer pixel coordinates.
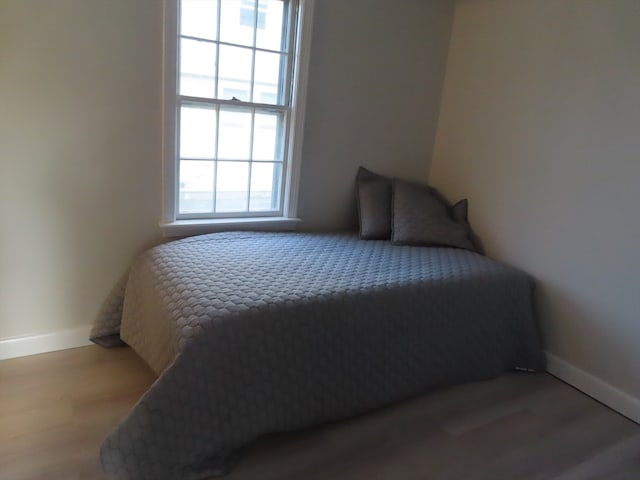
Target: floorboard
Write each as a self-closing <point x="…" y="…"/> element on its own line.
<point x="56" y="408"/>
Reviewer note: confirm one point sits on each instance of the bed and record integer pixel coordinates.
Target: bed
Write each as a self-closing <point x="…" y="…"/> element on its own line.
<point x="253" y="333"/>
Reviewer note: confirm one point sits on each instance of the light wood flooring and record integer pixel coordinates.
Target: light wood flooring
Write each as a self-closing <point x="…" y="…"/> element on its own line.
<point x="56" y="408"/>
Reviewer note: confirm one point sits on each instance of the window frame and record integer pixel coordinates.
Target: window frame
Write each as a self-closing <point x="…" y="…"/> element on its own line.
<point x="174" y="224"/>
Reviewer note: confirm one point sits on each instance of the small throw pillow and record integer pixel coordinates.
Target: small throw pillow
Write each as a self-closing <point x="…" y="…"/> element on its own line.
<point x="421" y="216"/>
<point x="374" y="205"/>
<point x="459" y="212"/>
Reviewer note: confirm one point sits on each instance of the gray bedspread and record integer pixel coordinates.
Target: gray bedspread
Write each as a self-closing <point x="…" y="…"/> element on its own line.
<point x="253" y="333"/>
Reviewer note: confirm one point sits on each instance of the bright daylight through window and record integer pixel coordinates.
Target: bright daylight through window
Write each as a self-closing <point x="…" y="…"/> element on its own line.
<point x="234" y="99"/>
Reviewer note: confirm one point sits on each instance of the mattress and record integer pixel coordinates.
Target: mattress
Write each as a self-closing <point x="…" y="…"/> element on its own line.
<point x="253" y="333"/>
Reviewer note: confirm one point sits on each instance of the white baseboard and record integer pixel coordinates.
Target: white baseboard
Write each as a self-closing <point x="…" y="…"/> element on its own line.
<point x="48" y="342"/>
<point x="612" y="397"/>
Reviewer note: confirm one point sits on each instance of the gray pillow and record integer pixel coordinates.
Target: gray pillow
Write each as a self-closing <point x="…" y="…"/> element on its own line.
<point x="460" y="211"/>
<point x="421" y="216"/>
<point x="374" y="205"/>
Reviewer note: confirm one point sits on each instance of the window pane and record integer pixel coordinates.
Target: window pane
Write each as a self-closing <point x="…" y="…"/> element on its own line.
<point x="199" y="18"/>
<point x="235" y="134"/>
<point x="265" y="137"/>
<point x="265" y="186"/>
<point x="266" y="85"/>
<point x="196" y="186"/>
<point x="231" y="187"/>
<point x="269" y="35"/>
<point x="235" y="73"/>
<point x="197" y="132"/>
<point x="237" y="19"/>
<point x="197" y="68"/>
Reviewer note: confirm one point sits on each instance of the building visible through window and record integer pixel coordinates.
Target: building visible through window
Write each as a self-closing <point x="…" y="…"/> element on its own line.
<point x="247" y="14"/>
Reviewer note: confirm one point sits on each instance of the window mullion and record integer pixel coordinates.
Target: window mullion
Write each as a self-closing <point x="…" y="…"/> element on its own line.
<point x="215" y="93"/>
<point x="176" y="157"/>
<point x="253" y="125"/>
<point x="253" y="50"/>
<point x="287" y="63"/>
<point x="283" y="148"/>
<point x="215" y="160"/>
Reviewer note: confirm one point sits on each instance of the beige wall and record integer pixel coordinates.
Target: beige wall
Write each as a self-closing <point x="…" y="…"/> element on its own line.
<point x="376" y="75"/>
<point x="80" y="135"/>
<point x="540" y="128"/>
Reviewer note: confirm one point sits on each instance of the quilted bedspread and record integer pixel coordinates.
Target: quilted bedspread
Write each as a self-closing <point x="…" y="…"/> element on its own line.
<point x="253" y="333"/>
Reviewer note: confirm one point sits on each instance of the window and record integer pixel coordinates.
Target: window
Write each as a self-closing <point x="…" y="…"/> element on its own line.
<point x="234" y="80"/>
<point x="248" y="11"/>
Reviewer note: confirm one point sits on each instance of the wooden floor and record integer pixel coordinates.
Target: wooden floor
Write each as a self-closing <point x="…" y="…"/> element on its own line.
<point x="56" y="408"/>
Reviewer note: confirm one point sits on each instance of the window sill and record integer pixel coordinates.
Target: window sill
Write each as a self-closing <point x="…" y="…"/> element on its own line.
<point x="185" y="228"/>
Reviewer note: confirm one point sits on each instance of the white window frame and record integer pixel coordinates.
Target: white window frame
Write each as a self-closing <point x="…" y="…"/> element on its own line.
<point x="171" y="226"/>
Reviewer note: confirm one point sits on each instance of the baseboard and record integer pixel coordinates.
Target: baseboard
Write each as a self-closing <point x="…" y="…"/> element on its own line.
<point x="48" y="342"/>
<point x="612" y="397"/>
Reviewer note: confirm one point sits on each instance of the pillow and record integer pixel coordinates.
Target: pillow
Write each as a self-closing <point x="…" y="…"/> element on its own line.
<point x="422" y="216"/>
<point x="460" y="211"/>
<point x="374" y="205"/>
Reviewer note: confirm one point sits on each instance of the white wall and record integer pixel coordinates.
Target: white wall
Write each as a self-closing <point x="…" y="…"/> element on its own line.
<point x="376" y="75"/>
<point x="540" y="128"/>
<point x="80" y="145"/>
<point x="80" y="135"/>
